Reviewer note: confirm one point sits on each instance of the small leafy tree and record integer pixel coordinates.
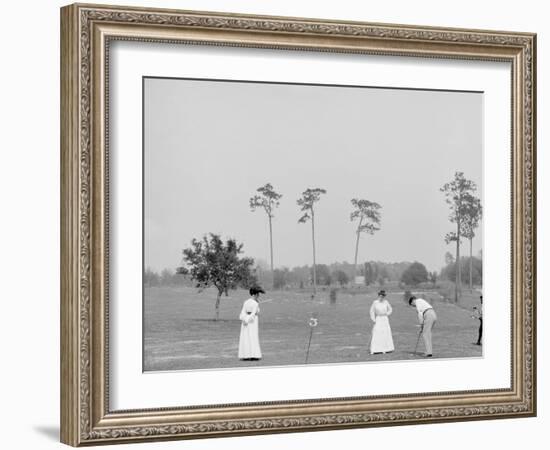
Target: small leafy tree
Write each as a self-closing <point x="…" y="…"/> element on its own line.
<point x="415" y="274"/>
<point x="457" y="193"/>
<point x="368" y="214"/>
<point x="267" y="200"/>
<point x="307" y="203"/>
<point x="212" y="262"/>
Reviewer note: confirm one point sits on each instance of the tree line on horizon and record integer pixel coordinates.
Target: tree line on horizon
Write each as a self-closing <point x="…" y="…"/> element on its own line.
<point x="339" y="274"/>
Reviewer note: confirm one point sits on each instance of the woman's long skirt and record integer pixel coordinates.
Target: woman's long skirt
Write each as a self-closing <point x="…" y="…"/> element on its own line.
<point x="249" y="342"/>
<point x="382" y="341"/>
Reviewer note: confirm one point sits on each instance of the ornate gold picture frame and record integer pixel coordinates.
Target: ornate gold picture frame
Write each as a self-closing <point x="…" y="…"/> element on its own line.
<point x="87" y="31"/>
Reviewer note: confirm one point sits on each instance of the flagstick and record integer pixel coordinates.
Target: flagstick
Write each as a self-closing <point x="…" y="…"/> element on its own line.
<point x="309" y="343"/>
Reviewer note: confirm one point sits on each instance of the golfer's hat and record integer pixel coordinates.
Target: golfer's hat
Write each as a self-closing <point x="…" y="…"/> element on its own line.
<point x="382" y="293"/>
<point x="256" y="290"/>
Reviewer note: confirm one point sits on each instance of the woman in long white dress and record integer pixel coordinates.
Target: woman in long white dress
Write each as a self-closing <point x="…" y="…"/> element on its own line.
<point x="381" y="341"/>
<point x="249" y="342"/>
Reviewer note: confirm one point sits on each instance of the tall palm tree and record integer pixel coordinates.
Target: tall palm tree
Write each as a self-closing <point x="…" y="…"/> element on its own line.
<point x="369" y="222"/>
<point x="472" y="217"/>
<point x="457" y="192"/>
<point x="306" y="203"/>
<point x="268" y="200"/>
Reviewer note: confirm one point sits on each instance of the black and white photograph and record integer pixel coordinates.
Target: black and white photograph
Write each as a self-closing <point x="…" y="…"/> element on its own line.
<point x="301" y="224"/>
<point x="277" y="224"/>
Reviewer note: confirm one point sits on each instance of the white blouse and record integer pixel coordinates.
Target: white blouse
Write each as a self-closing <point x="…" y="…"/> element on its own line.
<point x="421" y="307"/>
<point x="380" y="308"/>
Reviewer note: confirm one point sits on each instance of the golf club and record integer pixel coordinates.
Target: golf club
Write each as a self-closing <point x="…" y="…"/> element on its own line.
<point x="418" y="339"/>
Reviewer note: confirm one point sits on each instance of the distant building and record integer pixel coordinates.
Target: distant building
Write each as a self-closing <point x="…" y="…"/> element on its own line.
<point x="360" y="279"/>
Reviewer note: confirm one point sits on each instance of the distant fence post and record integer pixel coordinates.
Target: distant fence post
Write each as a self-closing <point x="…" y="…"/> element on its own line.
<point x="333" y="295"/>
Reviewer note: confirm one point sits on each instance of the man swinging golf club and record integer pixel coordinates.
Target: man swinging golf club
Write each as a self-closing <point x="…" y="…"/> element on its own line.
<point x="427" y="319"/>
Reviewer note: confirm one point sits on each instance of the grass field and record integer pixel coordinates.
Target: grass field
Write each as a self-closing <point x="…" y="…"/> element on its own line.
<point x="180" y="333"/>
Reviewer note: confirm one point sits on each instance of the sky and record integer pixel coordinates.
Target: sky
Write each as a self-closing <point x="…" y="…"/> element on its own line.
<point x="208" y="145"/>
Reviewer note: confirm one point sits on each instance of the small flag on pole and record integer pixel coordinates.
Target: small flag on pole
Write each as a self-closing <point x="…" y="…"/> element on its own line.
<point x="313" y="322"/>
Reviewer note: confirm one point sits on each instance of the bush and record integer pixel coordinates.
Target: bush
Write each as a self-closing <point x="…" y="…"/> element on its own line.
<point x="415" y="274"/>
